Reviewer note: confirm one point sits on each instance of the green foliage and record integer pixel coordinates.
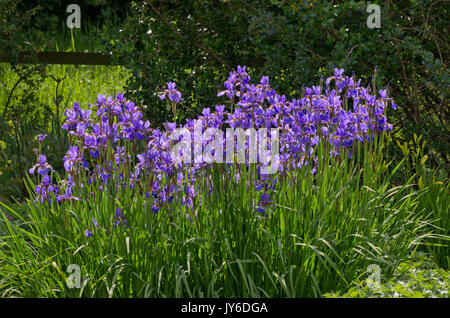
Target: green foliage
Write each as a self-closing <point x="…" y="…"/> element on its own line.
<point x="51" y="12"/>
<point x="17" y="150"/>
<point x="410" y="280"/>
<point x="34" y="96"/>
<point x="12" y="20"/>
<point x="20" y="108"/>
<point x="21" y="100"/>
<point x="196" y="42"/>
<point x="436" y="187"/>
<point x="320" y="234"/>
<point x="76" y="83"/>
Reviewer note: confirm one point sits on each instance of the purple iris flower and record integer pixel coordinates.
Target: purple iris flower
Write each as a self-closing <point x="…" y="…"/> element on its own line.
<point x="119" y="219"/>
<point x="71" y="158"/>
<point x="9" y="217"/>
<point x="111" y="131"/>
<point x="43" y="166"/>
<point x="67" y="196"/>
<point x="41" y="137"/>
<point x="173" y="94"/>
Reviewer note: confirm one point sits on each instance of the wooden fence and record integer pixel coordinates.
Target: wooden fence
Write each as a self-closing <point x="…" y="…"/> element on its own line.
<point x="74" y="58"/>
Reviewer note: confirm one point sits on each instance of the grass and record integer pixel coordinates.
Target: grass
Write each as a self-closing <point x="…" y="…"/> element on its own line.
<point x="320" y="235"/>
<point x="79" y="83"/>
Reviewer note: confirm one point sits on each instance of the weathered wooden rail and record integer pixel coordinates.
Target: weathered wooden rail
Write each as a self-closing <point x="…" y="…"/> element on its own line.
<point x="74" y="58"/>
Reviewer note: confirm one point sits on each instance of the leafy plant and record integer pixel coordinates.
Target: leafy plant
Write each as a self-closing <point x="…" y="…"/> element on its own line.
<point x="410" y="280"/>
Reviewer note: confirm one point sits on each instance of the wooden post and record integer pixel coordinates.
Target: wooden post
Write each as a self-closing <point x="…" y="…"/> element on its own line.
<point x="74" y="58"/>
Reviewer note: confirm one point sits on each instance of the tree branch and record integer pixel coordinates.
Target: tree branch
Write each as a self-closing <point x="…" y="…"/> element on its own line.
<point x="200" y="46"/>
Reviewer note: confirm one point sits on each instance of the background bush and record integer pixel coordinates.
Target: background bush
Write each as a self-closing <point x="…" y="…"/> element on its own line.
<point x="196" y="42"/>
<point x="52" y="13"/>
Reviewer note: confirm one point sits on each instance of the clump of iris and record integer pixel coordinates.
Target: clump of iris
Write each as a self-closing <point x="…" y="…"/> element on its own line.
<point x="104" y="138"/>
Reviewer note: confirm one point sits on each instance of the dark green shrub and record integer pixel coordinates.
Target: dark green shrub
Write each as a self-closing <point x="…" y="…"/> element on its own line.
<point x="196" y="42"/>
